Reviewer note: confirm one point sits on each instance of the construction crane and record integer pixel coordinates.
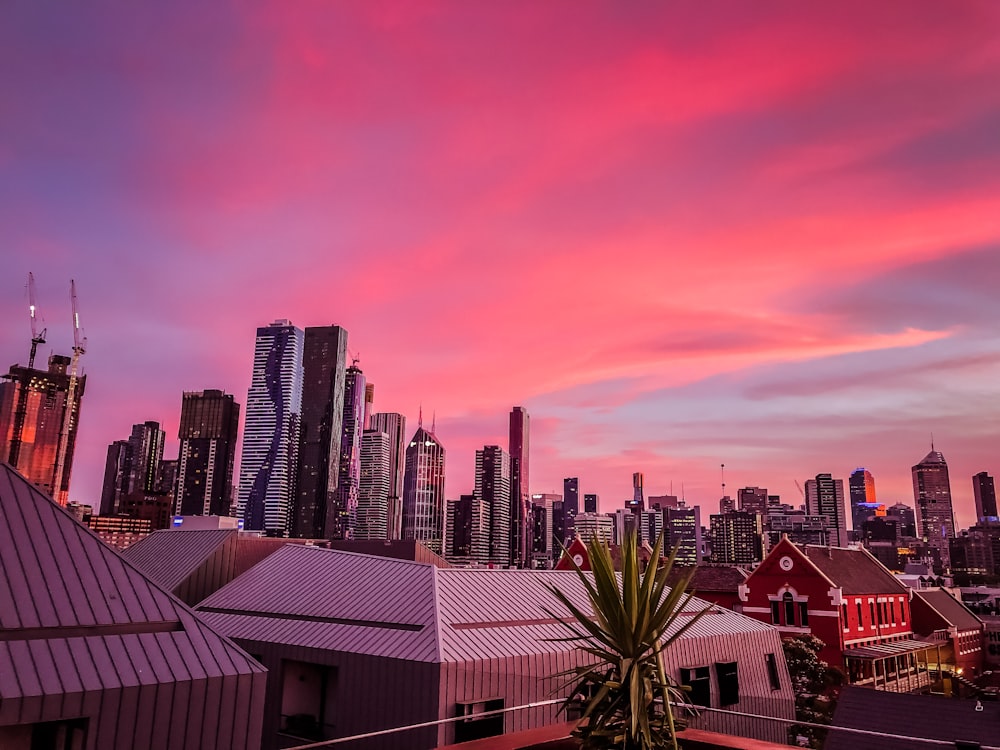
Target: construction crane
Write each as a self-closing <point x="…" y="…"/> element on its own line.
<point x="79" y="348"/>
<point x="21" y="408"/>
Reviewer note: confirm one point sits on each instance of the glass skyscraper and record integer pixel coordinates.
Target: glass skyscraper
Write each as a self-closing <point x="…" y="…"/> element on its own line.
<point x="423" y="490"/>
<point x="932" y="498"/>
<point x="271" y="432"/>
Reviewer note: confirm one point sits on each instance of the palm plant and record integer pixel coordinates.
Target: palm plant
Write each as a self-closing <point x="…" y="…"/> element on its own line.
<point x="631" y="697"/>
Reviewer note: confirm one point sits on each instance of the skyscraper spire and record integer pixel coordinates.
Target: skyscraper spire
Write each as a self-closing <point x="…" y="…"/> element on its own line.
<point x="420" y="417"/>
<point x="434" y="419"/>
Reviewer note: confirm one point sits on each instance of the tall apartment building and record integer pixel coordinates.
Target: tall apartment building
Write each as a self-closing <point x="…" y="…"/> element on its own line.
<point x="423" y="490"/>
<point x="269" y="461"/>
<point x="520" y="499"/>
<point x="591" y="525"/>
<point x="932" y="497"/>
<point x="208" y="431"/>
<point x="324" y="360"/>
<point x="737" y="538"/>
<point x="345" y="506"/>
<point x="683" y="530"/>
<point x="493" y="487"/>
<point x="37" y="399"/>
<point x="570" y="507"/>
<point x="467" y="532"/>
<point x="374" y="486"/>
<point x="825" y="497"/>
<point x="543" y="545"/>
<point x="862" y="489"/>
<point x="393" y="425"/>
<point x="132" y="467"/>
<point x="985" y="493"/>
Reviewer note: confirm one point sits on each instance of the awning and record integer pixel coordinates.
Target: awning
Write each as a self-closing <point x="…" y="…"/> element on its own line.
<point x="889" y="649"/>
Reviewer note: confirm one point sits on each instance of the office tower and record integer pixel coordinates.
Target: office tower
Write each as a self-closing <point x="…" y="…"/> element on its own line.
<point x="37" y="399"/>
<point x="557" y="532"/>
<point x="520" y="498"/>
<point x="591" y="525"/>
<point x="271" y="433"/>
<point x="905" y="519"/>
<point x="727" y="504"/>
<point x="626" y="521"/>
<point x="650" y="525"/>
<point x="932" y="497"/>
<point x="683" y="530"/>
<point x="542" y="543"/>
<point x="493" y="487"/>
<point x="664" y="501"/>
<point x="423" y="489"/>
<point x="340" y="525"/>
<point x="862" y="487"/>
<point x="166" y="478"/>
<point x="208" y="432"/>
<point x="373" y="486"/>
<point x="590" y="503"/>
<point x="986" y="496"/>
<point x="825" y="497"/>
<point x="393" y="425"/>
<point x="369" y="404"/>
<point x="638" y="503"/>
<point x="467" y="535"/>
<point x="115" y="477"/>
<point x="737" y="538"/>
<point x="324" y="356"/>
<point x="571" y="506"/>
<point x="753" y="500"/>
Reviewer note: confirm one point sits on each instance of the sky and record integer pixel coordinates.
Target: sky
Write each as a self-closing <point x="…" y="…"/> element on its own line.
<point x="684" y="234"/>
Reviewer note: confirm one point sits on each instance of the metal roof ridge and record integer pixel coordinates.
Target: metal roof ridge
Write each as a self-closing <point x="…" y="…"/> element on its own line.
<point x="436" y="624"/>
<point x="330" y="550"/>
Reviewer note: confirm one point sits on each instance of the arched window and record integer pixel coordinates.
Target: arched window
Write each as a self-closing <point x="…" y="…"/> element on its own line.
<point x="789" y="608"/>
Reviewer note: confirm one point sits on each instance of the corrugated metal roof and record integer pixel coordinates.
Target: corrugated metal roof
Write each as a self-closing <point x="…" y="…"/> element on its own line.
<point x="328" y="599"/>
<point x="855" y="571"/>
<point x="949" y="608"/>
<point x="171" y="555"/>
<point x="73" y="612"/>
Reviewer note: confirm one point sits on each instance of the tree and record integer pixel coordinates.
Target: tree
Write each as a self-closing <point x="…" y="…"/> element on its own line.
<point x="814" y="683"/>
<point x="628" y="696"/>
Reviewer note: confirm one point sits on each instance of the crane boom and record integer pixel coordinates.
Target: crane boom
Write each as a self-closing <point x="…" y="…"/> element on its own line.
<point x="79" y="348"/>
<point x="21" y="407"/>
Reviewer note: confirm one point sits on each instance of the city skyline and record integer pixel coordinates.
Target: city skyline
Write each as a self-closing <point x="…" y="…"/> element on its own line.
<point x="791" y="271"/>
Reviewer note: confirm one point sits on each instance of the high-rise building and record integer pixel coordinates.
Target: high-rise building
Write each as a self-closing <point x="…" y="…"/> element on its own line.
<point x="727" y="504"/>
<point x="737" y="538"/>
<point x="271" y="433"/>
<point x="324" y="357"/>
<point x="467" y="535"/>
<point x="133" y="466"/>
<point x="905" y="519"/>
<point x="38" y="400"/>
<point x="932" y="497"/>
<point x="374" y="486"/>
<point x="862" y="485"/>
<point x="369" y="404"/>
<point x="571" y="506"/>
<point x="753" y="500"/>
<point x="520" y="497"/>
<point x="825" y="497"/>
<point x="393" y="425"/>
<point x="638" y="503"/>
<point x="423" y="489"/>
<point x="493" y="487"/>
<point x="683" y="531"/>
<point x="664" y="501"/>
<point x="341" y="524"/>
<point x="542" y="517"/>
<point x="557" y="531"/>
<point x="590" y="503"/>
<point x="208" y="432"/>
<point x="986" y="496"/>
<point x="590" y="525"/>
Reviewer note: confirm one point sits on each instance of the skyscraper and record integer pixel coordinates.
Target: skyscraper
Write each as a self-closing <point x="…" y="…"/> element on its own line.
<point x="369" y="404"/>
<point x="683" y="527"/>
<point x="862" y="485"/>
<point x="467" y="535"/>
<point x="825" y="497"/>
<point x="423" y="490"/>
<point x="208" y="432"/>
<point x="345" y="507"/>
<point x="932" y="498"/>
<point x="44" y="419"/>
<point x="374" y="486"/>
<point x="570" y="508"/>
<point x="905" y="519"/>
<point x="393" y="425"/>
<point x="753" y="499"/>
<point x="638" y="503"/>
<point x="493" y="487"/>
<point x="271" y="434"/>
<point x="520" y="497"/>
<point x="737" y="538"/>
<point x="986" y="496"/>
<point x="323" y="364"/>
<point x="590" y="503"/>
<point x="115" y="478"/>
<point x="132" y="467"/>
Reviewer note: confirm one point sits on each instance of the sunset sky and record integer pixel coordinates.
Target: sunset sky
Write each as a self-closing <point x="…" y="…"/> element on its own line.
<point x="680" y="233"/>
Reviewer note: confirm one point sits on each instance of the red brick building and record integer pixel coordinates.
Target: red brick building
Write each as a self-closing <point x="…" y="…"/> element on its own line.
<point x="851" y="602"/>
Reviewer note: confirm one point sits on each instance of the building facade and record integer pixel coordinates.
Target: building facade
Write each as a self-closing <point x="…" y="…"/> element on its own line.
<point x="374" y="485"/>
<point x="737" y="538"/>
<point x="208" y="432"/>
<point x="520" y="500"/>
<point x="932" y="499"/>
<point x="423" y="490"/>
<point x="324" y="360"/>
<point x="340" y="525"/>
<point x="493" y="487"/>
<point x="862" y="491"/>
<point x="393" y="425"/>
<point x="570" y="507"/>
<point x="985" y="494"/>
<point x="269" y="461"/>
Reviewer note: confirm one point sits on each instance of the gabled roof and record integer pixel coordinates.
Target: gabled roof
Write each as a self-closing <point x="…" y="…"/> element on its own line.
<point x="341" y="601"/>
<point x="171" y="555"/>
<point x="76" y="617"/>
<point x="948" y="608"/>
<point x="854" y="571"/>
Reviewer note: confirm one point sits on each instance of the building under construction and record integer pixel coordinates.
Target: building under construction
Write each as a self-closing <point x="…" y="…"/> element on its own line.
<point x="38" y="399"/>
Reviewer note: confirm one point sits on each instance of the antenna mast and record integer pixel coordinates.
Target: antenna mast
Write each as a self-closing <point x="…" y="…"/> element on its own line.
<point x="79" y="348"/>
<point x="21" y="408"/>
